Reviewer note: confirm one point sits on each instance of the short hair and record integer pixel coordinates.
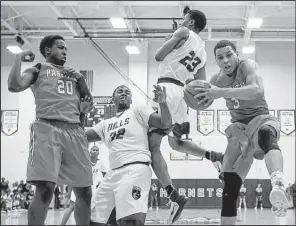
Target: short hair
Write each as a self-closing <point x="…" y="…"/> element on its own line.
<point x="117" y="88"/>
<point x="224" y="43"/>
<point x="48" y="41"/>
<point x="199" y="17"/>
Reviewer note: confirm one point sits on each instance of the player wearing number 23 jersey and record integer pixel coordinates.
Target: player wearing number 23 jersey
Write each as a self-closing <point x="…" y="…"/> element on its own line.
<point x="182" y="58"/>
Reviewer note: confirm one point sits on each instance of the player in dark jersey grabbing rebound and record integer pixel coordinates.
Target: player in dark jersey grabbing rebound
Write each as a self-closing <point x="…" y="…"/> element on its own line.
<point x="58" y="145"/>
<point x="253" y="132"/>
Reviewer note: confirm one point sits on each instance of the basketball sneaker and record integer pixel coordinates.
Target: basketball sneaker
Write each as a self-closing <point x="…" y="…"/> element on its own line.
<point x="177" y="205"/>
<point x="279" y="199"/>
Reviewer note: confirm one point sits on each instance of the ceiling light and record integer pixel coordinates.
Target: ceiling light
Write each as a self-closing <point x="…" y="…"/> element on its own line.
<point x="254" y="23"/>
<point x="118" y="22"/>
<point x="248" y="49"/>
<point x="132" y="49"/>
<point x="14" y="49"/>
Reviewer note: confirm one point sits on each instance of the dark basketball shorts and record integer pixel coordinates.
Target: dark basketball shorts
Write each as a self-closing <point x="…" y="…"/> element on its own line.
<point x="59" y="153"/>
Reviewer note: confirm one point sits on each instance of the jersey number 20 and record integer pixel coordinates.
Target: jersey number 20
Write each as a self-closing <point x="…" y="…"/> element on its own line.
<point x="190" y="62"/>
<point x="65" y="87"/>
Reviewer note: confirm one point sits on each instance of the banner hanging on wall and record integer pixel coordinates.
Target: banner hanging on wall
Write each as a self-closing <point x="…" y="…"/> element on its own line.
<point x="287" y="120"/>
<point x="103" y="109"/>
<point x="205" y="121"/>
<point x="223" y="120"/>
<point x="9" y="121"/>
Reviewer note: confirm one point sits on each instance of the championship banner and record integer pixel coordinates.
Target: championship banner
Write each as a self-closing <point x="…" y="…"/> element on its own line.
<point x="287" y="120"/>
<point x="205" y="121"/>
<point x="9" y="121"/>
<point x="103" y="109"/>
<point x="223" y="120"/>
<point x="272" y="112"/>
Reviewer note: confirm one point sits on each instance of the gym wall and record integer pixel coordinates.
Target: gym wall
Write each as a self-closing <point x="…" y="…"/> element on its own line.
<point x="276" y="66"/>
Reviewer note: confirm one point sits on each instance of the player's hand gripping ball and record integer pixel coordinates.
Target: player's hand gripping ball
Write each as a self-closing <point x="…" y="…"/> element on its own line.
<point x="190" y="92"/>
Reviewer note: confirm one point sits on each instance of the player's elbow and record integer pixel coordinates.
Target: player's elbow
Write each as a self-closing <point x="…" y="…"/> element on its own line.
<point x="158" y="57"/>
<point x="14" y="89"/>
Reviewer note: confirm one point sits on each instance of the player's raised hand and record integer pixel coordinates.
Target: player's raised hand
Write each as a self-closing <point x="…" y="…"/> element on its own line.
<point x="159" y="94"/>
<point x="71" y="73"/>
<point x="27" y="56"/>
<point x="86" y="104"/>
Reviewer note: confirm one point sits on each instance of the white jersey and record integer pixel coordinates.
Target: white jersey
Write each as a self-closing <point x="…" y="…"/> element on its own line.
<point x="126" y="137"/>
<point x="181" y="64"/>
<point x="97" y="169"/>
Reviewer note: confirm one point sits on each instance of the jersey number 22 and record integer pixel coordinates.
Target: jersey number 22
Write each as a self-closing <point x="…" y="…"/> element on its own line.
<point x="190" y="62"/>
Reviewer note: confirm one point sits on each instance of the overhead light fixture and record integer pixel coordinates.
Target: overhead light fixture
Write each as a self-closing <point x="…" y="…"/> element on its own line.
<point x="248" y="49"/>
<point x="14" y="49"/>
<point x="254" y="23"/>
<point x="132" y="49"/>
<point x="118" y="22"/>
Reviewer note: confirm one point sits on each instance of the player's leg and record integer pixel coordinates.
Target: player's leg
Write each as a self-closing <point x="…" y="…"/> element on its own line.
<point x="132" y="192"/>
<point x="245" y="204"/>
<point x="240" y="203"/>
<point x="42" y="170"/>
<point x="156" y="201"/>
<point x="68" y="212"/>
<point x="103" y="202"/>
<point x="76" y="170"/>
<point x="160" y="169"/>
<point x="266" y="139"/>
<point x="235" y="168"/>
<point x="256" y="203"/>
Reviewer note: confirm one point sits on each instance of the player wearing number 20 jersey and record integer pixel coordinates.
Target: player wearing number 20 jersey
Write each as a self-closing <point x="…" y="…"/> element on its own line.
<point x="56" y="97"/>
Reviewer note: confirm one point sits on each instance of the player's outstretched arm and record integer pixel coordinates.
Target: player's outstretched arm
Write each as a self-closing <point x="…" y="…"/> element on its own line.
<point x="18" y="82"/>
<point x="253" y="90"/>
<point x="254" y="84"/>
<point x="169" y="45"/>
<point x="92" y="136"/>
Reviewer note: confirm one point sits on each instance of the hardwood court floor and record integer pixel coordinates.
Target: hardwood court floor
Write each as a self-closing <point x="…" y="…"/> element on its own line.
<point x="189" y="216"/>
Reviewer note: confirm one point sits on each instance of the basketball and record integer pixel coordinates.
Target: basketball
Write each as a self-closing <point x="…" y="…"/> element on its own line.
<point x="190" y="92"/>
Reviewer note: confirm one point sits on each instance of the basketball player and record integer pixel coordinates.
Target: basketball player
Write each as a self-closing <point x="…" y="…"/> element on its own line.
<point x="182" y="59"/>
<point x="253" y="132"/>
<point x="126" y="186"/>
<point x="98" y="171"/>
<point x="242" y="197"/>
<point x="259" y="198"/>
<point x="58" y="145"/>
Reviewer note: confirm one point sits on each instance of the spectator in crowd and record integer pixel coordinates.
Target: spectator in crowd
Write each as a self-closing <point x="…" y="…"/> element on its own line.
<point x="153" y="196"/>
<point x="242" y="197"/>
<point x="259" y="197"/>
<point x="57" y="197"/>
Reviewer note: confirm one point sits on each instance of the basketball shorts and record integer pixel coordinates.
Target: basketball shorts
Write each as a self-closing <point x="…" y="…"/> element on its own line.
<point x="126" y="189"/>
<point x="242" y="144"/>
<point x="59" y="153"/>
<point x="176" y="102"/>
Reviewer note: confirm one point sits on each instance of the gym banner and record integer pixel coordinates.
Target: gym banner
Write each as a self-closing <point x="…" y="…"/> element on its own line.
<point x="205" y="122"/>
<point x="9" y="121"/>
<point x="287" y="120"/>
<point x="103" y="109"/>
<point x="223" y="120"/>
<point x="207" y="193"/>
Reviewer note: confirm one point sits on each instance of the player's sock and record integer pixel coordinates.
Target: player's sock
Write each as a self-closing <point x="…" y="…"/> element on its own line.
<point x="208" y="155"/>
<point x="277" y="178"/>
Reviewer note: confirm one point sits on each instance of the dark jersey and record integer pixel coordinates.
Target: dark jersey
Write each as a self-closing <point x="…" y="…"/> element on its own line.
<point x="56" y="97"/>
<point x="240" y="110"/>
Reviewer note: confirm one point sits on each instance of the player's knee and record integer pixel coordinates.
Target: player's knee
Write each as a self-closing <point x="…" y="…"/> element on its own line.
<point x="232" y="184"/>
<point x="45" y="189"/>
<point x="267" y="139"/>
<point x="174" y="142"/>
<point x="83" y="194"/>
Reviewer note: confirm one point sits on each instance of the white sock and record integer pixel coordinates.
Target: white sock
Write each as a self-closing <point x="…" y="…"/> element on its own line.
<point x="277" y="176"/>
